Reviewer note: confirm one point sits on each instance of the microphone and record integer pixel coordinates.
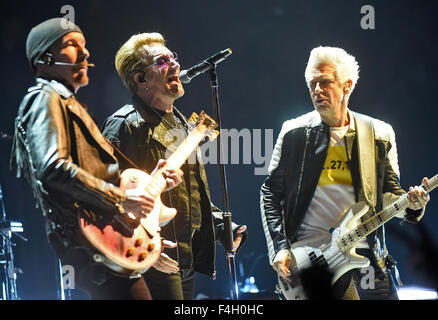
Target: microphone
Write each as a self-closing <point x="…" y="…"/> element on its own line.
<point x="187" y="75"/>
<point x="51" y="62"/>
<point x="89" y="65"/>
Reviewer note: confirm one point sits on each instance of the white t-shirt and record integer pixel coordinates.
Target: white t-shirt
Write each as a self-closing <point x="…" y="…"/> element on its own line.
<point x="334" y="194"/>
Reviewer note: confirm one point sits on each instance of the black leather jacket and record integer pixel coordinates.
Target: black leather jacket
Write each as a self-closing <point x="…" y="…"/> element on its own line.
<point x="142" y="137"/>
<point x="68" y="162"/>
<point x="296" y="166"/>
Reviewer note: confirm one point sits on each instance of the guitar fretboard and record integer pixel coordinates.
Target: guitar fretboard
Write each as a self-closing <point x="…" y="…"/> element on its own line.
<point x="355" y="235"/>
<point x="157" y="184"/>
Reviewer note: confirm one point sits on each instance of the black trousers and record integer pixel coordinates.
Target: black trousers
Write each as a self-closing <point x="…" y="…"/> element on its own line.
<point x="100" y="282"/>
<point x="358" y="284"/>
<point x="174" y="286"/>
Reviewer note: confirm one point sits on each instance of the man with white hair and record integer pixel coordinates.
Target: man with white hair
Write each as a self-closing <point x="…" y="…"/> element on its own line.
<point x="318" y="171"/>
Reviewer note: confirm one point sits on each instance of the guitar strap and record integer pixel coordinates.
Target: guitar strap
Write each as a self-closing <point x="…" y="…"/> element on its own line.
<point x="367" y="166"/>
<point x="122" y="154"/>
<point x="367" y="157"/>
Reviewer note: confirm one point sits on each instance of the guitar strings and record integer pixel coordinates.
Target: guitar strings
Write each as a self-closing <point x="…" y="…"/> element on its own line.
<point x="320" y="259"/>
<point x="387" y="214"/>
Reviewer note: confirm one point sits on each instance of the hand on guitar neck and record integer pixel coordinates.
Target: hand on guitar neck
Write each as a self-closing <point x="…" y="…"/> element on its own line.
<point x="418" y="197"/>
<point x="172" y="176"/>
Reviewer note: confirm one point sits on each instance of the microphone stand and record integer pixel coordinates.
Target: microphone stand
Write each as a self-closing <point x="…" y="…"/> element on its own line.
<point x="230" y="254"/>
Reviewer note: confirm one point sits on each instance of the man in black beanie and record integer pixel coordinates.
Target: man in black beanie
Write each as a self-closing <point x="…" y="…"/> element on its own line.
<point x="69" y="164"/>
<point x="56" y="50"/>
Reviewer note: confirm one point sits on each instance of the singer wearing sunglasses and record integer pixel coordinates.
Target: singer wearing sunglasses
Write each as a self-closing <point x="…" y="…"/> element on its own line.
<point x="146" y="130"/>
<point x="69" y="164"/>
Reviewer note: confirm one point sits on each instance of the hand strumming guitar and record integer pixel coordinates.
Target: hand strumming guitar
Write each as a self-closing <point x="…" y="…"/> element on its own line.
<point x="140" y="201"/>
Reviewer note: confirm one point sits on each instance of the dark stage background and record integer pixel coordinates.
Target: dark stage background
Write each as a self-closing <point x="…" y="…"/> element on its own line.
<point x="261" y="85"/>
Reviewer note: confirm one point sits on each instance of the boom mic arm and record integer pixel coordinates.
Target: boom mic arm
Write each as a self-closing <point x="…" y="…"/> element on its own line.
<point x="187" y="75"/>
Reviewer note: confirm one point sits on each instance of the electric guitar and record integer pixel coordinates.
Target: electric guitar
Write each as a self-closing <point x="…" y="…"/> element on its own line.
<point x="135" y="245"/>
<point x="337" y="250"/>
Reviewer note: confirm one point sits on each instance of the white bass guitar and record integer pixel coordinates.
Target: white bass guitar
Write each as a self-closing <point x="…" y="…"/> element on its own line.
<point x="337" y="250"/>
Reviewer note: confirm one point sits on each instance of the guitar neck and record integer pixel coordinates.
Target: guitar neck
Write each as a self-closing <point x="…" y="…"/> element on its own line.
<point x="157" y="183"/>
<point x="355" y="235"/>
<point x="185" y="149"/>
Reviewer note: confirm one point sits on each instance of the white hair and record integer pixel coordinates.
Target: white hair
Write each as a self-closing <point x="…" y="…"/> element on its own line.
<point x="345" y="64"/>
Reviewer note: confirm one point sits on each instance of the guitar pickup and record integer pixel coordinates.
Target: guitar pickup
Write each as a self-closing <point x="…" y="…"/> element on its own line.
<point x="127" y="228"/>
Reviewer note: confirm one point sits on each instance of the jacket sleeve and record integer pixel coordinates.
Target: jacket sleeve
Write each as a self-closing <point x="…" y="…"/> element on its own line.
<point x="45" y="132"/>
<point x="391" y="184"/>
<point x="272" y="195"/>
<point x="132" y="142"/>
<point x="220" y="233"/>
<point x="117" y="132"/>
<point x="115" y="129"/>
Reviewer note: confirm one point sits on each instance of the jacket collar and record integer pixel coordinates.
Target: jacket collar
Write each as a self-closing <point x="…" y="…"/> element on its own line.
<point x="82" y="115"/>
<point x="160" y="131"/>
<point x="153" y="116"/>
<point x="317" y="120"/>
<point x="147" y="114"/>
<point x="79" y="110"/>
<point x="352" y="124"/>
<point x="60" y="88"/>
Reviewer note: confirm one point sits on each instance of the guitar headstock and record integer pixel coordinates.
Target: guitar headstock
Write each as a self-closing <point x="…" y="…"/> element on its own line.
<point x="205" y="123"/>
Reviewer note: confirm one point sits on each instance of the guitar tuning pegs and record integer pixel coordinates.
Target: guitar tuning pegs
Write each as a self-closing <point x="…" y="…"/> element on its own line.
<point x="213" y="134"/>
<point x="193" y="118"/>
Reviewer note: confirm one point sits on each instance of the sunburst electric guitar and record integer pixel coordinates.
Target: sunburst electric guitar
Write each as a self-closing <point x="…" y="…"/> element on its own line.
<point x="133" y="252"/>
<point x="337" y="251"/>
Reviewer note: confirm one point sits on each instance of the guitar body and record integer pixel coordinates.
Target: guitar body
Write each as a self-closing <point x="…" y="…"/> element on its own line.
<point x="135" y="254"/>
<point x="324" y="250"/>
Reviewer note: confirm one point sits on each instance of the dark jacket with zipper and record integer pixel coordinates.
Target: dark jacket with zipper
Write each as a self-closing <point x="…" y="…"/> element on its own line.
<point x="143" y="138"/>
<point x="296" y="166"/>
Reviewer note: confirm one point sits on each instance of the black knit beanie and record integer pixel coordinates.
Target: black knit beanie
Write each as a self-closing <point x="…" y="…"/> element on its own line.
<point x="42" y="36"/>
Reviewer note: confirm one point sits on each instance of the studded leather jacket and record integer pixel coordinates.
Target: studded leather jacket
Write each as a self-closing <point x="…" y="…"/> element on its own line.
<point x="69" y="164"/>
